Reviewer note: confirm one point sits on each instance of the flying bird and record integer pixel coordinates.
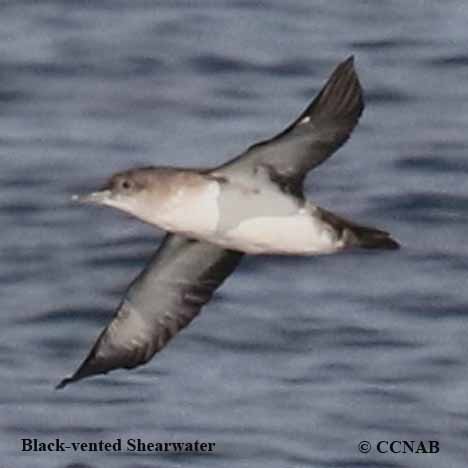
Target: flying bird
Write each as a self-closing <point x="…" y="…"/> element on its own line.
<point x="252" y="204"/>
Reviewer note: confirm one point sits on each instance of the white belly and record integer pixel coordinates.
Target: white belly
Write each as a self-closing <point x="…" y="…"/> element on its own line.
<point x="299" y="234"/>
<point x="241" y="221"/>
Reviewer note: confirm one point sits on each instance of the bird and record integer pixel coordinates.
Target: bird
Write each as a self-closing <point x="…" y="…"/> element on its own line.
<point x="252" y="204"/>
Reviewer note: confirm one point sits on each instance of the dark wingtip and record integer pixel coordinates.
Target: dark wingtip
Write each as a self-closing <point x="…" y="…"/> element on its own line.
<point x="341" y="98"/>
<point x="390" y="244"/>
<point x="63" y="383"/>
<point x="378" y="242"/>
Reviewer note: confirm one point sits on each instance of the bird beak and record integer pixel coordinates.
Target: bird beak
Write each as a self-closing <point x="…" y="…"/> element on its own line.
<point x="96" y="198"/>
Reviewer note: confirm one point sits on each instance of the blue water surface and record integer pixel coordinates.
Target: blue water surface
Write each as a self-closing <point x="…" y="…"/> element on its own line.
<point x="295" y="360"/>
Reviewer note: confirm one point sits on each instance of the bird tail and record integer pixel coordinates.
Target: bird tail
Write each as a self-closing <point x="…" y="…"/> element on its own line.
<point x="372" y="238"/>
<point x="356" y="235"/>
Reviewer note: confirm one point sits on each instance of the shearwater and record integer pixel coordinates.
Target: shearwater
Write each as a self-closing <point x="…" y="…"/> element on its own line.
<point x="252" y="204"/>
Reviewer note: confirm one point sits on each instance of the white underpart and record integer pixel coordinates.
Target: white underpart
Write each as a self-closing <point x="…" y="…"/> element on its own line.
<point x="194" y="211"/>
<point x="297" y="234"/>
<point x="191" y="211"/>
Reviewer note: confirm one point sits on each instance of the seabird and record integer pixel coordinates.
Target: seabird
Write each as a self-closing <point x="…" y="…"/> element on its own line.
<point x="252" y="204"/>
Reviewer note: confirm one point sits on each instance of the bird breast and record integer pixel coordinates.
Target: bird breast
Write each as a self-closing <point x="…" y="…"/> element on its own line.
<point x="190" y="209"/>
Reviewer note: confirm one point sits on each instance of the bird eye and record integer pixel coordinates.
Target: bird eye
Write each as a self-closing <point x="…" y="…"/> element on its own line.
<point x="126" y="184"/>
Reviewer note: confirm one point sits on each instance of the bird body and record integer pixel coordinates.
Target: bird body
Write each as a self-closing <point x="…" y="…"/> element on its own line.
<point x="252" y="204"/>
<point x="256" y="218"/>
<point x="254" y="215"/>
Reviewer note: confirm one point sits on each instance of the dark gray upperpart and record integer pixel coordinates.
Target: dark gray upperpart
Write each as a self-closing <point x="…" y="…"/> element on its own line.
<point x="178" y="281"/>
<point x="283" y="160"/>
<point x="312" y="138"/>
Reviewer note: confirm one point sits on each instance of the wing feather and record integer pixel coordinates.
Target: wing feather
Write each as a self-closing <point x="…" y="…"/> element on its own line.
<point x="167" y="295"/>
<point x="312" y="138"/>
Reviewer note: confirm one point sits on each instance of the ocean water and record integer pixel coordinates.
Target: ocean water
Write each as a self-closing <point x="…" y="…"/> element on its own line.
<point x="296" y="360"/>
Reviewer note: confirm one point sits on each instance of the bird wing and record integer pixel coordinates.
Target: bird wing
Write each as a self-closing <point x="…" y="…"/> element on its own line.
<point x="178" y="281"/>
<point x="312" y="138"/>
